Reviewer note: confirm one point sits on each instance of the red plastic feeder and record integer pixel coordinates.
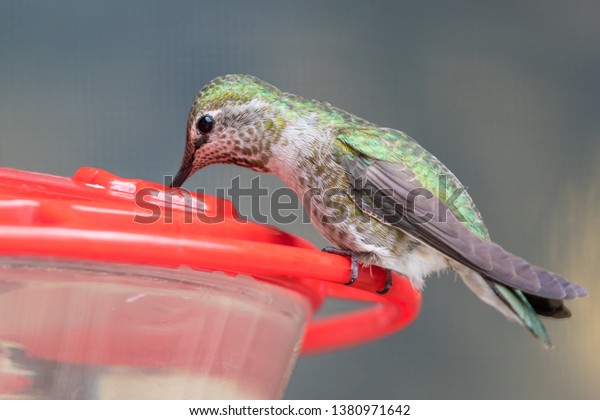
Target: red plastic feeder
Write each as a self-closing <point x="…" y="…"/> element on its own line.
<point x="119" y="288"/>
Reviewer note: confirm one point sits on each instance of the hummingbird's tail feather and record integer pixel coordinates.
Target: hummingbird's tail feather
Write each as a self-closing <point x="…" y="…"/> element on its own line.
<point x="510" y="302"/>
<point x="552" y="308"/>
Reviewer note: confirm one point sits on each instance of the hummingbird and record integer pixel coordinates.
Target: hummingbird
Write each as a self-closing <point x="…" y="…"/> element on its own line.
<point x="377" y="195"/>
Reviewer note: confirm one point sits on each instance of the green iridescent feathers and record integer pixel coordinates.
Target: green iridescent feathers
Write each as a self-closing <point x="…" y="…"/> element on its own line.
<point x="394" y="146"/>
<point x="231" y="89"/>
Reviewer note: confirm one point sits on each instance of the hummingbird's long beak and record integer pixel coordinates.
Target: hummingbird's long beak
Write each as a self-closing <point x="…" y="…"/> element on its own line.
<point x="184" y="171"/>
<point x="180" y="178"/>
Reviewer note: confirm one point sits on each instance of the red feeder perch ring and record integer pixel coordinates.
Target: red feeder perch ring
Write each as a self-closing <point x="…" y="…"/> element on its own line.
<point x="97" y="216"/>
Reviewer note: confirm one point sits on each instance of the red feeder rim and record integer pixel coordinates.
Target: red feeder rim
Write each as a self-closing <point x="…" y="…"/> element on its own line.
<point x="98" y="216"/>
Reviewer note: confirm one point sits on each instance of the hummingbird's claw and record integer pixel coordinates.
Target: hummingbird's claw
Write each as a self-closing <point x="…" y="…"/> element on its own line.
<point x="353" y="258"/>
<point x="354" y="267"/>
<point x="353" y="270"/>
<point x="388" y="282"/>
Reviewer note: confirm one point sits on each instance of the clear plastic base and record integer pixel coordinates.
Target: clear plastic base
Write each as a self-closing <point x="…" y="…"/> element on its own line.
<point x="90" y="330"/>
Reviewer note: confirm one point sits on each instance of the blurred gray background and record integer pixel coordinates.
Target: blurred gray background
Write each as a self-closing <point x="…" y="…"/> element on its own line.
<point x="506" y="94"/>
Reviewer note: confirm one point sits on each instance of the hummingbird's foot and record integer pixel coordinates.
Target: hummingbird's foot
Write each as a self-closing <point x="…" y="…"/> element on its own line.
<point x="346" y="253"/>
<point x="388" y="282"/>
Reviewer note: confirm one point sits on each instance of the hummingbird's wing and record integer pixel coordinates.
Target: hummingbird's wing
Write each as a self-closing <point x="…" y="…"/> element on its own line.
<point x="384" y="186"/>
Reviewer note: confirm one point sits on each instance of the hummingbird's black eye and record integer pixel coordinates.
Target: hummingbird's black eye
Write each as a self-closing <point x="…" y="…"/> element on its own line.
<point x="205" y="123"/>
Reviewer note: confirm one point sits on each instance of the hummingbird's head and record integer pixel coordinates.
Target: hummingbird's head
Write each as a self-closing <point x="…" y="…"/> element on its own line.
<point x="232" y="120"/>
